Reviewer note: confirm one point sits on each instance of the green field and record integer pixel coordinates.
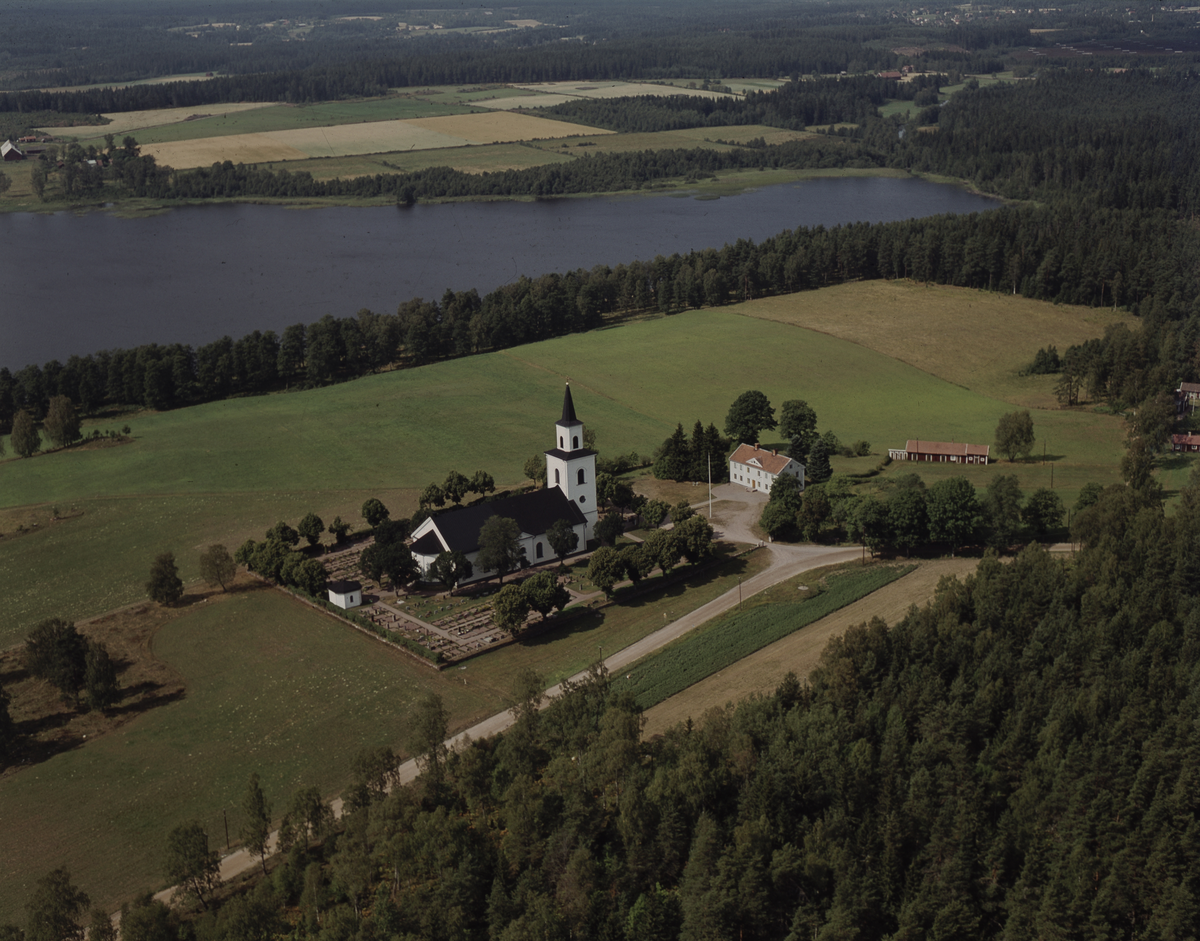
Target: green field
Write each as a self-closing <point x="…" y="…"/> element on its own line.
<point x="485" y="158"/>
<point x="276" y="688"/>
<point x="223" y="471"/>
<point x="738" y="634"/>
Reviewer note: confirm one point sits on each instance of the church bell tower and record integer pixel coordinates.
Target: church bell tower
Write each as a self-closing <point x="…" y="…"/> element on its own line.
<point x="570" y="466"/>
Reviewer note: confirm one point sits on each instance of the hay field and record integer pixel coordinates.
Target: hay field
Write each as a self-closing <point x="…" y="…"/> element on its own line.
<point x="123" y="122"/>
<point x="761" y="672"/>
<point x="240" y="148"/>
<point x="532" y="100"/>
<point x="975" y="339"/>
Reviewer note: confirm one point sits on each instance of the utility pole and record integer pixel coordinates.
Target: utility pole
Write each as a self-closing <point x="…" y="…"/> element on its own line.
<point x="710" y="484"/>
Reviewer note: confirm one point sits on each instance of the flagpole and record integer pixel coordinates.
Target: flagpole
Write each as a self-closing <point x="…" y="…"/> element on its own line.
<point x="710" y="484"/>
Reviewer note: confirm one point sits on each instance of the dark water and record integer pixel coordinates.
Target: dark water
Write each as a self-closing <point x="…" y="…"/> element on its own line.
<point x="78" y="284"/>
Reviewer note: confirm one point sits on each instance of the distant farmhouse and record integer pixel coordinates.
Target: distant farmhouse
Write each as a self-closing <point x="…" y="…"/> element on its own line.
<point x="570" y="495"/>
<point x="757" y="468"/>
<point x="1185" y="442"/>
<point x="9" y="151"/>
<point x="1187" y="395"/>
<point x="941" y="452"/>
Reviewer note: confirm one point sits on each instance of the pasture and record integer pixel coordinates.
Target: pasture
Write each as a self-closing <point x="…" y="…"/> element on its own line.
<point x="227" y="470"/>
<point x="489" y="158"/>
<point x="276" y="688"/>
<point x="615" y="89"/>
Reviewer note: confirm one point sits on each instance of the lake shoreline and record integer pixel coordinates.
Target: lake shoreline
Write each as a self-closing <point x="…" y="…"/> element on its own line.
<point x="733" y="183"/>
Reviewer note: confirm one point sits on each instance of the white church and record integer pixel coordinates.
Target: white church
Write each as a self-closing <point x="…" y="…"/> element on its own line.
<point x="570" y="495"/>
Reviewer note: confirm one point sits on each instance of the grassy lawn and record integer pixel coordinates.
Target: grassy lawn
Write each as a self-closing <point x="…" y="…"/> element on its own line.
<point x="276" y="688"/>
<point x="228" y="470"/>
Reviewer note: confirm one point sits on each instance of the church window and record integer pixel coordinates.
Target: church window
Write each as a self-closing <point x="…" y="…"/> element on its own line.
<point x="538" y="551"/>
<point x="556" y="476"/>
<point x="560" y="442"/>
<point x="581" y="480"/>
<point x="575" y="443"/>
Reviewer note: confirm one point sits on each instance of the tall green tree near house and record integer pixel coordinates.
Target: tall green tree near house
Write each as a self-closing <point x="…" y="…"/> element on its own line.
<point x="509" y="608"/>
<point x="1014" y="435"/>
<point x="749" y="415"/>
<point x="450" y="568"/>
<point x="798" y="425"/>
<point x="562" y="538"/>
<point x="311" y="528"/>
<point x="374" y="512"/>
<point x="190" y="864"/>
<point x="500" y="546"/>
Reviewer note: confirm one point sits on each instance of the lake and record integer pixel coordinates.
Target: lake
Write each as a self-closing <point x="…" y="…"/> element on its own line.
<point x="83" y="283"/>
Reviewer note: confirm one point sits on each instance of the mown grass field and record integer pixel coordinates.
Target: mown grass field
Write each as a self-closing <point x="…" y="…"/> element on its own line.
<point x="488" y="158"/>
<point x="276" y="688"/>
<point x="736" y="635"/>
<point x="227" y="470"/>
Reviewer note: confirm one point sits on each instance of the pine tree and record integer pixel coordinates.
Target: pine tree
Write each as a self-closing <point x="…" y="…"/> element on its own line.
<point x="817" y="471"/>
<point x="100" y="677"/>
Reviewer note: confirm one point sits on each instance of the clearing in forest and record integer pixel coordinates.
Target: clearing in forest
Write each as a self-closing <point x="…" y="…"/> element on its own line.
<point x="617" y="90"/>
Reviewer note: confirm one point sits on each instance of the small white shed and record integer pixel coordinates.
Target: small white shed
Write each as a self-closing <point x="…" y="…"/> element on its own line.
<point x="345" y="594"/>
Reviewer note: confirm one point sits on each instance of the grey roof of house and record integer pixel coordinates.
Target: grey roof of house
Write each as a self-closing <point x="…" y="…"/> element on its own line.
<point x="534" y="512"/>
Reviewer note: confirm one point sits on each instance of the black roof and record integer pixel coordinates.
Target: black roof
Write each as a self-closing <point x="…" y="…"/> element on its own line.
<point x="343" y="586"/>
<point x="568" y="415"/>
<point x="429" y="544"/>
<point x="569" y="455"/>
<point x="534" y="512"/>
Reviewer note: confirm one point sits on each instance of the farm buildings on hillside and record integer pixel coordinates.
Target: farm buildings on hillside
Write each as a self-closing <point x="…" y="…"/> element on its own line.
<point x="757" y="468"/>
<point x="941" y="452"/>
<point x="570" y="495"/>
<point x="9" y="151"/>
<point x="1185" y="442"/>
<point x="1188" y="394"/>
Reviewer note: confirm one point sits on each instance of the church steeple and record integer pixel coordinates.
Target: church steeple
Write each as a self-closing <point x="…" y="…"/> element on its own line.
<point x="570" y="466"/>
<point x="568" y="415"/>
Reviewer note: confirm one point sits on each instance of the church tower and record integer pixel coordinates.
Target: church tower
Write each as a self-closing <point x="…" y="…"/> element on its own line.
<point x="570" y="466"/>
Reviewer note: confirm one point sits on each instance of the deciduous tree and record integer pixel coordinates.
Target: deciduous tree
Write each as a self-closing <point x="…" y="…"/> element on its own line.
<point x="749" y="415"/>
<point x="25" y="438"/>
<point x="482" y="483"/>
<point x="562" y="538"/>
<point x="1044" y="511"/>
<point x="53" y="911"/>
<point x="509" y="609"/>
<point x="427" y="739"/>
<point x="1002" y="510"/>
<point x="535" y="470"/>
<point x="373" y="511"/>
<point x="450" y="568"/>
<point x="695" y="538"/>
<point x="664" y="548"/>
<point x="606" y="568"/>
<point x="217" y="566"/>
<point x="282" y="533"/>
<point x="100" y="677"/>
<point x="544" y="593"/>
<point x="311" y="528"/>
<point x="339" y="529"/>
<point x="1014" y="435"/>
<point x="500" y="548"/>
<point x="455" y="487"/>
<point x="56" y="652"/>
<point x="62" y="421"/>
<point x="256" y="831"/>
<point x="610" y="527"/>
<point x="954" y="512"/>
<point x="907" y="519"/>
<point x="817" y="470"/>
<point x="165" y="586"/>
<point x="190" y="864"/>
<point x="798" y="425"/>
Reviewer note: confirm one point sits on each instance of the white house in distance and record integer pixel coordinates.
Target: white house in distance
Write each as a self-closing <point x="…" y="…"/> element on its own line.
<point x="757" y="468"/>
<point x="344" y="593"/>
<point x="570" y="495"/>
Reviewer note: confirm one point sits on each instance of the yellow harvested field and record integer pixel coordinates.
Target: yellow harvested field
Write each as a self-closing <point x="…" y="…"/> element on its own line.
<point x="240" y="148"/>
<point x="123" y="122"/>
<point x="377" y="137"/>
<point x="617" y="89"/>
<point x="502" y="128"/>
<point x="761" y="672"/>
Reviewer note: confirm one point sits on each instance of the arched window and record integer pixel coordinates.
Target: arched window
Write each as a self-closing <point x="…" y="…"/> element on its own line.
<point x="560" y="442"/>
<point x="581" y="475"/>
<point x="556" y="476"/>
<point x="537" y="550"/>
<point x="575" y="443"/>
